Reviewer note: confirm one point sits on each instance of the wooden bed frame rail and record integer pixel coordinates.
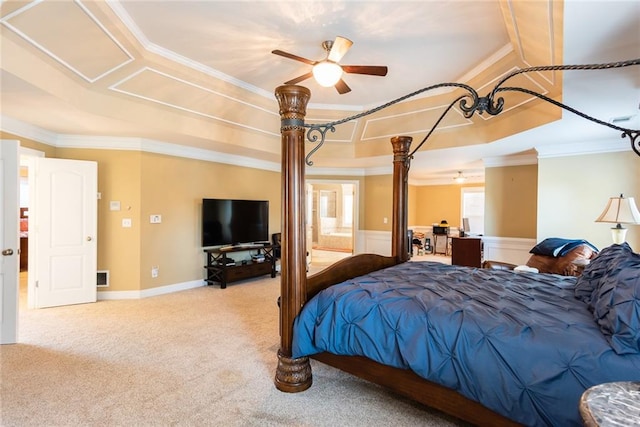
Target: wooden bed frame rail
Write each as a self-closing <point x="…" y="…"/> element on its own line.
<point x="408" y="384"/>
<point x="294" y="374"/>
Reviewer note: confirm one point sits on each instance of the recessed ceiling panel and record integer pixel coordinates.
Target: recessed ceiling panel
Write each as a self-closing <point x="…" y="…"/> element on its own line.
<point x="345" y="132"/>
<point x="173" y="92"/>
<point x="85" y="47"/>
<point x="419" y="121"/>
<point x="513" y="99"/>
<point x="535" y="31"/>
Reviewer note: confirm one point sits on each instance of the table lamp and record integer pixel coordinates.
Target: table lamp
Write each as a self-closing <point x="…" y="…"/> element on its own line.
<point x="620" y="210"/>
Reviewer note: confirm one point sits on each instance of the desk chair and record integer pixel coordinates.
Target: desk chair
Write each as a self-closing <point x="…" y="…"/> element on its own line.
<point x="441" y="233"/>
<point x="276" y="241"/>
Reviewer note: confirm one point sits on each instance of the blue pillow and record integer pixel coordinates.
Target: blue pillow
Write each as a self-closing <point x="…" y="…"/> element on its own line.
<point x="557" y="247"/>
<point x="616" y="302"/>
<point x="590" y="278"/>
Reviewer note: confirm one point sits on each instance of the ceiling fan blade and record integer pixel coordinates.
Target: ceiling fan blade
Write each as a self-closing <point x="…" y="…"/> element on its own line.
<point x="294" y="57"/>
<point x="342" y="87"/>
<point x="373" y="70"/>
<point x="299" y="79"/>
<point x="339" y="48"/>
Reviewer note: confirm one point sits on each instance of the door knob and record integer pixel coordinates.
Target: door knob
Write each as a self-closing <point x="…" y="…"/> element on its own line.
<point x="7" y="252"/>
<point x="88" y="238"/>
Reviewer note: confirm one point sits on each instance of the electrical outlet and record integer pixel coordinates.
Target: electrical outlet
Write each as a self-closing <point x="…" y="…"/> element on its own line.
<point x="385" y="220"/>
<point x="126" y="222"/>
<point x="155" y="219"/>
<point x="154" y="272"/>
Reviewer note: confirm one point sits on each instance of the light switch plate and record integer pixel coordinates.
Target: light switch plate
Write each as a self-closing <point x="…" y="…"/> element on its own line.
<point x="155" y="219"/>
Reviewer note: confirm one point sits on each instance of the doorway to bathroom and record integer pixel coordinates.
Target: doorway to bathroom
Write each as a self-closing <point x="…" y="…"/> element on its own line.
<point x="332" y="218"/>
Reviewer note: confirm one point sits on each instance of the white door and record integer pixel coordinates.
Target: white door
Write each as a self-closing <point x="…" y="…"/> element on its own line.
<point x="9" y="260"/>
<point x="62" y="232"/>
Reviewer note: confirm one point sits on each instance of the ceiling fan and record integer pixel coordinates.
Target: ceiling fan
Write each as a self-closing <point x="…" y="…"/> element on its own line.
<point x="328" y="72"/>
<point x="460" y="178"/>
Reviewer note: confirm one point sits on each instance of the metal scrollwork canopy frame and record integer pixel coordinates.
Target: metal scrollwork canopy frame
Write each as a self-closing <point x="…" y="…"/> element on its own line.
<point x="471" y="103"/>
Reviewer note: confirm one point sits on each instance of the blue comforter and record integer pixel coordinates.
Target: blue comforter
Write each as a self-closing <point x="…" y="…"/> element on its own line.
<point x="520" y="344"/>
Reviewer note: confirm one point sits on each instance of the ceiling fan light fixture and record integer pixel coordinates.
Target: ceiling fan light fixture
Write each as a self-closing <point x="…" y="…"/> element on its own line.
<point x="327" y="73"/>
<point x="460" y="178"/>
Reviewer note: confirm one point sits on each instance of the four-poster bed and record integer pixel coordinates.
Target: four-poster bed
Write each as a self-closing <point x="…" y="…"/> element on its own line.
<point x="293" y="372"/>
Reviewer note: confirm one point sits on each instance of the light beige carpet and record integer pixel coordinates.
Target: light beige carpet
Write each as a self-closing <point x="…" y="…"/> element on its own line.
<point x="200" y="357"/>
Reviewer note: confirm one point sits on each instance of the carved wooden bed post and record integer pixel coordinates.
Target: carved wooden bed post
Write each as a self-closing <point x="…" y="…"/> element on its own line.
<point x="400" y="243"/>
<point x="292" y="375"/>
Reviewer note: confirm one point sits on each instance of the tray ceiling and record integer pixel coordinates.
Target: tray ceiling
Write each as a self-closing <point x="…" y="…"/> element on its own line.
<point x="200" y="74"/>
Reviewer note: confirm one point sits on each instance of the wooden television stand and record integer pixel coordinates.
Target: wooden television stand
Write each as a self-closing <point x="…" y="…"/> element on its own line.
<point x="222" y="269"/>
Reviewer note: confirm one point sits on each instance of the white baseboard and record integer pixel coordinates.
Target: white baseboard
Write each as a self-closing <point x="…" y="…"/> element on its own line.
<point x="116" y="295"/>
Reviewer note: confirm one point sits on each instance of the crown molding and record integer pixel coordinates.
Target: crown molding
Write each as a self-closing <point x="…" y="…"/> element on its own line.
<point x="447" y="181"/>
<point x="486" y="63"/>
<point x="583" y="147"/>
<point x="515" y="160"/>
<point x="321" y="171"/>
<point x="20" y="128"/>
<point x="25" y="130"/>
<point x="159" y="147"/>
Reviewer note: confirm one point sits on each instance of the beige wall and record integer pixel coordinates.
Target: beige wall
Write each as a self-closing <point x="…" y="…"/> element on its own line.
<point x="412" y="200"/>
<point x="511" y="201"/>
<point x="119" y="248"/>
<point x="378" y="201"/>
<point x="146" y="184"/>
<point x="174" y="188"/>
<point x="574" y="191"/>
<point x="433" y="203"/>
<point x="427" y="204"/>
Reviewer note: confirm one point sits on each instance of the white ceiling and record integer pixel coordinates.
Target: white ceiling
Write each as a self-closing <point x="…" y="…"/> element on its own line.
<point x="236" y="38"/>
<point x="422" y="43"/>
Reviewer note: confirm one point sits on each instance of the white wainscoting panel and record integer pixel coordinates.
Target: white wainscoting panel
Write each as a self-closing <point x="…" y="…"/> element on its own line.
<point x="374" y="242"/>
<point x="507" y="249"/>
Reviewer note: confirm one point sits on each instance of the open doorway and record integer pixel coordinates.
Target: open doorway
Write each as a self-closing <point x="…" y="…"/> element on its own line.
<point x="58" y="230"/>
<point x="26" y="154"/>
<point x="331" y="219"/>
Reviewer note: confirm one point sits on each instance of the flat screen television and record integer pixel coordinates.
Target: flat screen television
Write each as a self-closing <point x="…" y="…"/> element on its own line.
<point x="234" y="222"/>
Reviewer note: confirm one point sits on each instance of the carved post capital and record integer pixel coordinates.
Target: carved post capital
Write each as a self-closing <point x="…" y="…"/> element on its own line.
<point x="401" y="146"/>
<point x="293" y="101"/>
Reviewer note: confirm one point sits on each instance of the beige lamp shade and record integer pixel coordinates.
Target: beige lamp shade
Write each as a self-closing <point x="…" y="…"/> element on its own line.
<point x="620" y="210"/>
